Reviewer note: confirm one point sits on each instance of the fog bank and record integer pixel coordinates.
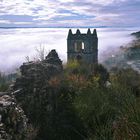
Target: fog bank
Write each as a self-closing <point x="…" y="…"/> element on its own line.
<point x="16" y="44"/>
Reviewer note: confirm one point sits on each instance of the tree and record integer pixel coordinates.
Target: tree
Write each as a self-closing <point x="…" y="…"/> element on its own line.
<point x="41" y="52"/>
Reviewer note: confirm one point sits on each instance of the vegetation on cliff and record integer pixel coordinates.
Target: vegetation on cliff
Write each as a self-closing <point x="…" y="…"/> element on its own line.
<point x="76" y="101"/>
<point x="128" y="56"/>
<point x="80" y="101"/>
<point x="6" y="81"/>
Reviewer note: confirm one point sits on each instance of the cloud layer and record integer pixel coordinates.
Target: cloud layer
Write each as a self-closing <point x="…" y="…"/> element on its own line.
<point x="16" y="44"/>
<point x="66" y="13"/>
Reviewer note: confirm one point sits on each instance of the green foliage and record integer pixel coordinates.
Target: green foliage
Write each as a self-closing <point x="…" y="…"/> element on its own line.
<point x="111" y="113"/>
<point x="93" y="107"/>
<point x="3" y="83"/>
<point x="102" y="73"/>
<point x="76" y="67"/>
<point x="129" y="79"/>
<point x="51" y="110"/>
<point x="72" y="64"/>
<point x="4" y="87"/>
<point x="6" y="80"/>
<point x="77" y="105"/>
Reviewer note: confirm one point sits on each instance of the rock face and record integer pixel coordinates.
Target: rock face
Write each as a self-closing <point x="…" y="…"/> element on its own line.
<point x="31" y="89"/>
<point x="27" y="93"/>
<point x="33" y="73"/>
<point x="13" y="122"/>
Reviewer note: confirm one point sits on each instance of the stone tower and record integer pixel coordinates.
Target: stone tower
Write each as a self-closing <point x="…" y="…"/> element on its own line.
<point x="83" y="46"/>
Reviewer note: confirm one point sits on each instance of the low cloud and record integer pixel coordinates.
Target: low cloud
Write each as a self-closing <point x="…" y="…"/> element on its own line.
<point x="16" y="44"/>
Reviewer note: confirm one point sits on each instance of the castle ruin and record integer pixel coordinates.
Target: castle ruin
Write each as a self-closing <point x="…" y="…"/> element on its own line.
<point x="83" y="46"/>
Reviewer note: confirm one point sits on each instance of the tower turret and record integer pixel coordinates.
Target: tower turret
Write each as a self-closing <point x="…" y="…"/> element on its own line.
<point x="70" y="33"/>
<point x="78" y="32"/>
<point x="95" y="33"/>
<point x="89" y="32"/>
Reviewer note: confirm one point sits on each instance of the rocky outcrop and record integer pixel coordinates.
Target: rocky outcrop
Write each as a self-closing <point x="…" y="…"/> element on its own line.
<point x="27" y="94"/>
<point x="136" y="34"/>
<point x="127" y="57"/>
<point x="13" y="122"/>
<point x="34" y="73"/>
<point x="35" y="76"/>
<point x="32" y="89"/>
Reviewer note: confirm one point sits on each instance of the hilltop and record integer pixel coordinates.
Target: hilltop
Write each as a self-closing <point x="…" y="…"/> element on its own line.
<point x="128" y="56"/>
<point x="136" y="34"/>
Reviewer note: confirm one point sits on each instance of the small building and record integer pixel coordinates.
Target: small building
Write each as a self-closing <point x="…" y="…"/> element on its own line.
<point x="83" y="46"/>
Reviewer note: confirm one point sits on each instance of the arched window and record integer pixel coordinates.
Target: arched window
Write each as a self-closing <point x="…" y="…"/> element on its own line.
<point x="79" y="46"/>
<point x="83" y="46"/>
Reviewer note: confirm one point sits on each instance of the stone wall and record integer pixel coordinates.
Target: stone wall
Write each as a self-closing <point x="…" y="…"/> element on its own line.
<point x="13" y="122"/>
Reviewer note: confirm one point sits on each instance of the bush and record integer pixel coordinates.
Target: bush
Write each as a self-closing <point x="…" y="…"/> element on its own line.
<point x="4" y="83"/>
<point x="76" y="105"/>
<point x="110" y="113"/>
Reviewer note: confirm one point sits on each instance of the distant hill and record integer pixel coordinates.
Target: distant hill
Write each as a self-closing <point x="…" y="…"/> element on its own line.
<point x="136" y="34"/>
<point x="127" y="57"/>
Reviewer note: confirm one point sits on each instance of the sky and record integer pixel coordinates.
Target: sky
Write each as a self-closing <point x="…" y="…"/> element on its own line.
<point x="69" y="13"/>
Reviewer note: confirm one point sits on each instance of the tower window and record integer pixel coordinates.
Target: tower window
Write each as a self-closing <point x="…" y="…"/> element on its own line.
<point x="79" y="46"/>
<point x="83" y="46"/>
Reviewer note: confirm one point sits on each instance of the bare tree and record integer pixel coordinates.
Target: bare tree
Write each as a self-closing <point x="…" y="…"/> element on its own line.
<point x="27" y="58"/>
<point x="39" y="55"/>
<point x="41" y="52"/>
